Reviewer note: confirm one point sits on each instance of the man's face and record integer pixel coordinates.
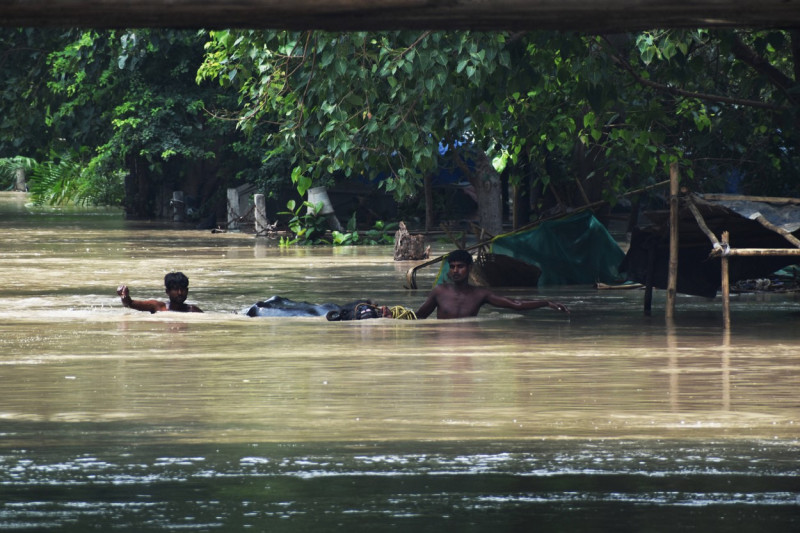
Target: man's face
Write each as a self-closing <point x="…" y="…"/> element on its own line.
<point x="459" y="271"/>
<point x="178" y="294"/>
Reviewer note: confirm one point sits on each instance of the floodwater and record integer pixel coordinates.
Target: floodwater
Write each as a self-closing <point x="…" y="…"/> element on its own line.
<point x="112" y="419"/>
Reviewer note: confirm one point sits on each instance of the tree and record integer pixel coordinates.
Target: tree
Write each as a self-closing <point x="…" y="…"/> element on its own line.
<point x="734" y="96"/>
<point x="131" y="96"/>
<point x="557" y="112"/>
<point x="26" y="98"/>
<point x="568" y="118"/>
<point x="120" y="105"/>
<point x="371" y="104"/>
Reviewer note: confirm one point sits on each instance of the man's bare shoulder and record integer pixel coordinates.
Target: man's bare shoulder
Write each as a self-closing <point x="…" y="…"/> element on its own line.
<point x="479" y="293"/>
<point x="439" y="289"/>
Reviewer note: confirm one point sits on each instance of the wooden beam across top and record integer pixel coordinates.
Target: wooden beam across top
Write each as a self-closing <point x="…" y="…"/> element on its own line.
<point x="593" y="16"/>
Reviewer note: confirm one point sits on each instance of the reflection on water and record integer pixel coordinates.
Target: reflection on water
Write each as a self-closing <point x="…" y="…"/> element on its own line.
<point x="114" y="418"/>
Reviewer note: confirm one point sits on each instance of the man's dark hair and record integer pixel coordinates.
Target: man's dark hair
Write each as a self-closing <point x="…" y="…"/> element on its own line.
<point x="460" y="256"/>
<point x="176" y="280"/>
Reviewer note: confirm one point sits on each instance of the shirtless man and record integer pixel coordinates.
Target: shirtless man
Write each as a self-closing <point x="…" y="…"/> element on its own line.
<point x="459" y="299"/>
<point x="177" y="288"/>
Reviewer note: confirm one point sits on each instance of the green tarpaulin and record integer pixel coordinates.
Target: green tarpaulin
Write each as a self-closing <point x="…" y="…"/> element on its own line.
<point x="573" y="250"/>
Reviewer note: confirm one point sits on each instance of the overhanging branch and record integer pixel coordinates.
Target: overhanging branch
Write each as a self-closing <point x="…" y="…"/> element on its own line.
<point x="626" y="66"/>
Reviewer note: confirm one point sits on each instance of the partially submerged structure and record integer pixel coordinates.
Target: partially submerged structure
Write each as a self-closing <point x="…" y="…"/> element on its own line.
<point x="717" y="240"/>
<point x="572" y="249"/>
<point x="763" y="239"/>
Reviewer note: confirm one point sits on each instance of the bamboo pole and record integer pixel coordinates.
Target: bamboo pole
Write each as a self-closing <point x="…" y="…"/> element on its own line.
<point x="770" y="226"/>
<point x="756" y="252"/>
<point x="701" y="222"/>
<point x="726" y="285"/>
<point x="778" y="200"/>
<point x="672" y="277"/>
<point x="582" y="191"/>
<point x="726" y="370"/>
<point x="648" y="290"/>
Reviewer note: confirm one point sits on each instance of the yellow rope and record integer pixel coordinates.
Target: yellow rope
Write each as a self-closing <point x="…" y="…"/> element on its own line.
<point x="401" y="313"/>
<point x="398" y="311"/>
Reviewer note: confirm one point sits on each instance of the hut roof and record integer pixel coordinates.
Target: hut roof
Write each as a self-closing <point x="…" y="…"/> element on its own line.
<point x="698" y="273"/>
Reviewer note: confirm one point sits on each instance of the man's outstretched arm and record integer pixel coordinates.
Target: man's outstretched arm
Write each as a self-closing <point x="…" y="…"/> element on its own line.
<point x="510" y="303"/>
<point x="140" y="305"/>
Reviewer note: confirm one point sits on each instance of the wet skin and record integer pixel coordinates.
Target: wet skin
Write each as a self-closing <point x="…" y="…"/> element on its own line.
<point x="459" y="299"/>
<point x="177" y="298"/>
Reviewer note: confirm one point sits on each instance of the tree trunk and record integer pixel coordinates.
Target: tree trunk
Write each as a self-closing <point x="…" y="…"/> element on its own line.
<point x="138" y="203"/>
<point x="409" y="247"/>
<point x="489" y="191"/>
<point x="20" y="184"/>
<point x="429" y="217"/>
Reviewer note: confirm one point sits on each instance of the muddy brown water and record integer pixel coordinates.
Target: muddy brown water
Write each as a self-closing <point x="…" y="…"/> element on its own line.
<point x="601" y="420"/>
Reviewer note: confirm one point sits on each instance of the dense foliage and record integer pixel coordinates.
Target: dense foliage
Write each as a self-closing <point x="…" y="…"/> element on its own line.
<point x="565" y="118"/>
<point x="582" y="116"/>
<point x="125" y="108"/>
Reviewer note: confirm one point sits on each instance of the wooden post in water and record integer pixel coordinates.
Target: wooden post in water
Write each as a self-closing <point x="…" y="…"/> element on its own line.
<point x="262" y="224"/>
<point x="178" y="206"/>
<point x="726" y="285"/>
<point x="318" y="195"/>
<point x="648" y="286"/>
<point x="672" y="277"/>
<point x="233" y="209"/>
<point x="19" y="180"/>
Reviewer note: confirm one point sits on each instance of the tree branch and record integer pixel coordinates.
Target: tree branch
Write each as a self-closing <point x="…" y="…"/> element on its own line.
<point x="762" y="66"/>
<point x="625" y="65"/>
<point x="415" y="43"/>
<point x="795" y="36"/>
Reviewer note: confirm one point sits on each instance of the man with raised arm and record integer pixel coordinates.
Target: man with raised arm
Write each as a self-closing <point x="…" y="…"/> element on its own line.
<point x="459" y="299"/>
<point x="176" y="285"/>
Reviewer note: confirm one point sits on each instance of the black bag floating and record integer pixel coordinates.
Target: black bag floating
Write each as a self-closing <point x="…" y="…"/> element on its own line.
<point x="357" y="310"/>
<point x="280" y="306"/>
<point x="284" y="307"/>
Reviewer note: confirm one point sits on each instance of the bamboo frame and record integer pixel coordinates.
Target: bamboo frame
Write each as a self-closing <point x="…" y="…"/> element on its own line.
<point x="724" y="252"/>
